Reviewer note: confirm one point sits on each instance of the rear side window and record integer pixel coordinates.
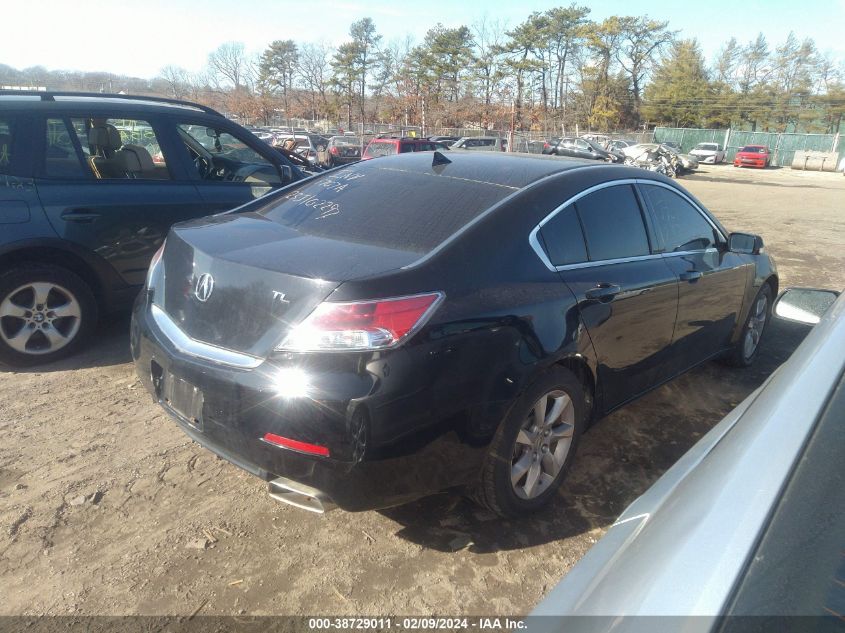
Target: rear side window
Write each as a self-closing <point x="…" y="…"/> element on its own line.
<point x="7" y="135"/>
<point x="564" y="238"/>
<point x="375" y="149"/>
<point x="681" y="225"/>
<point x="613" y="223"/>
<point x="369" y="204"/>
<point x="60" y="157"/>
<point x="113" y="148"/>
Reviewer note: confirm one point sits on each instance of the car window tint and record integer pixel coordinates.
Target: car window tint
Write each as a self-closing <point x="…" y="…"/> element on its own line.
<point x="60" y="157"/>
<point x="564" y="238"/>
<point x="381" y="206"/>
<point x="613" y="224"/>
<point x="680" y="224"/>
<point x="7" y="131"/>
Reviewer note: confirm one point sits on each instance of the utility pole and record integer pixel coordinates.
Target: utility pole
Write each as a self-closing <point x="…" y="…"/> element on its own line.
<point x="513" y="124"/>
<point x="565" y="95"/>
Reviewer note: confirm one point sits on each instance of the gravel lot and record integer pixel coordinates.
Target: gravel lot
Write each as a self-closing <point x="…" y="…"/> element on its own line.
<point x="107" y="508"/>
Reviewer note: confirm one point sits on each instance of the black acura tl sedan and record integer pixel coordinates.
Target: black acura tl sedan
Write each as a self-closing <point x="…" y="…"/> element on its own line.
<point x="397" y="327"/>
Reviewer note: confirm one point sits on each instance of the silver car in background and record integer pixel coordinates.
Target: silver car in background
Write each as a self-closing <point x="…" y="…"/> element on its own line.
<point x="749" y="522"/>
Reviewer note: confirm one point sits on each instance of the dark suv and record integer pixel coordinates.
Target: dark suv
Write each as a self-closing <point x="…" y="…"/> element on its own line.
<point x="89" y="186"/>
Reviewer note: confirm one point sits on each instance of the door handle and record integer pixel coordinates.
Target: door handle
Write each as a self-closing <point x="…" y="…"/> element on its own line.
<point x="691" y="276"/>
<point x="603" y="292"/>
<point x="83" y="216"/>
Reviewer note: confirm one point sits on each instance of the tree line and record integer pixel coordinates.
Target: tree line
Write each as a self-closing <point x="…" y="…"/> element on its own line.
<point x="553" y="71"/>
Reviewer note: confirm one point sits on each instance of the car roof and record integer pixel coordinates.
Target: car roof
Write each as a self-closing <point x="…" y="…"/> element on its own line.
<point x="95" y="103"/>
<point x="498" y="168"/>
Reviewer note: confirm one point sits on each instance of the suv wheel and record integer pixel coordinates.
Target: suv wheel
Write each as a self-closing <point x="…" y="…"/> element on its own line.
<point x="46" y="313"/>
<point x="534" y="446"/>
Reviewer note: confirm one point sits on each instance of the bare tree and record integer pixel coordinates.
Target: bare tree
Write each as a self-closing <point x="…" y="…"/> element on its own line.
<point x="178" y="81"/>
<point x="229" y="62"/>
<point x="313" y="74"/>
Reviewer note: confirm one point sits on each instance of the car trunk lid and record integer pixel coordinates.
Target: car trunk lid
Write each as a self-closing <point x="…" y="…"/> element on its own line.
<point x="241" y="281"/>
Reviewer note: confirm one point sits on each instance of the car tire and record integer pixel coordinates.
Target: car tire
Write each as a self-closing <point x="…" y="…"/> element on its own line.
<point x="533" y="446"/>
<point x="46" y="313"/>
<point x="745" y="352"/>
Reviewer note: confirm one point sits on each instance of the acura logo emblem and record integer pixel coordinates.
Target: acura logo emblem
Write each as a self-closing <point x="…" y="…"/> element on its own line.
<point x="204" y="287"/>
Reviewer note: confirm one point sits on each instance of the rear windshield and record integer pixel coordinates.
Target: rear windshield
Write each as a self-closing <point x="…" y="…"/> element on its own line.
<point x="376" y="148"/>
<point x="384" y="206"/>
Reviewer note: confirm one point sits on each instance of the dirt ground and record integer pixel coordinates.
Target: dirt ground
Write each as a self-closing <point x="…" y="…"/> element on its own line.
<point x="107" y="508"/>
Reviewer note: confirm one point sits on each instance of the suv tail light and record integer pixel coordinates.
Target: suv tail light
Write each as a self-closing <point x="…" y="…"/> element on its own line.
<point x="362" y="325"/>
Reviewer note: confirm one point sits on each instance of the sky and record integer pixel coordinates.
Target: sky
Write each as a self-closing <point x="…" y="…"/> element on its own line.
<point x="139" y="38"/>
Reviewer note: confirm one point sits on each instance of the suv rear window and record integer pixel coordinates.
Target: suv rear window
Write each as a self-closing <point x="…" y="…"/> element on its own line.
<point x="383" y="206"/>
<point x="380" y="148"/>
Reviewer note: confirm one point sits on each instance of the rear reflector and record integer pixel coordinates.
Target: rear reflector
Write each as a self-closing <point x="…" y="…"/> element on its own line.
<point x="362" y="325"/>
<point x="296" y="445"/>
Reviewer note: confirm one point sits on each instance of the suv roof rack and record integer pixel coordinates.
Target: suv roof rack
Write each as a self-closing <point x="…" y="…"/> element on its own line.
<point x="50" y="95"/>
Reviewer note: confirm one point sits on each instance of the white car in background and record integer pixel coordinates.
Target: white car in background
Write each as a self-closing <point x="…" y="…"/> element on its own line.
<point x="708" y="153"/>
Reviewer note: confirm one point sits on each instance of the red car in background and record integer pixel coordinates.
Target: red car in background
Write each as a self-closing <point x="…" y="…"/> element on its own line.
<point x="752" y="156"/>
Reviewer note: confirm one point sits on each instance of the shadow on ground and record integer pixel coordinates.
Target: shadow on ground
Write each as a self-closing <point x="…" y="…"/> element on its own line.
<point x="109" y="345"/>
<point x="618" y="459"/>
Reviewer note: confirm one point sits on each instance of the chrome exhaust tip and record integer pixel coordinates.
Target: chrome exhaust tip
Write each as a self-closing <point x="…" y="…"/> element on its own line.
<point x="300" y="495"/>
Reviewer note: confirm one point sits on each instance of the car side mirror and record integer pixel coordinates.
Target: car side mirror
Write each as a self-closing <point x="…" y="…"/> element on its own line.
<point x="746" y="243"/>
<point x="210" y="132"/>
<point x="287" y="173"/>
<point x="804" y="305"/>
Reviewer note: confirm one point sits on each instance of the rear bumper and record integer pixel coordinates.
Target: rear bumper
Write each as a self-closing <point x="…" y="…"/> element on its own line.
<point x="352" y="417"/>
<point x="749" y="162"/>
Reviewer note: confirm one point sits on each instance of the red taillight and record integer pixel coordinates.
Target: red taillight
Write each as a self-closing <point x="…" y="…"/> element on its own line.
<point x="154" y="262"/>
<point x="362" y="325"/>
<point x="333" y="151"/>
<point x="296" y="445"/>
<point x="546" y="146"/>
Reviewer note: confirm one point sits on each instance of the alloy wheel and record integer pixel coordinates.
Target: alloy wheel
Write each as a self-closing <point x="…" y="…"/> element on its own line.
<point x="39" y="318"/>
<point x="542" y="444"/>
<point x="756" y="324"/>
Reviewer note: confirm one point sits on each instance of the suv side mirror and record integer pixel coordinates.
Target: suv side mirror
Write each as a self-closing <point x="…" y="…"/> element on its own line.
<point x="746" y="243"/>
<point x="804" y="305"/>
<point x="287" y="173"/>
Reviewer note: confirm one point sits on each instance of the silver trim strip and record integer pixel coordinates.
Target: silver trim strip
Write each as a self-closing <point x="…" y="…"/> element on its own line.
<point x="534" y="240"/>
<point x="188" y="345"/>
